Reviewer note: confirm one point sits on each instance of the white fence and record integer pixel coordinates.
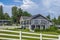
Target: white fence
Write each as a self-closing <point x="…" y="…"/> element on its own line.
<point x="39" y="36"/>
<point x="9" y="27"/>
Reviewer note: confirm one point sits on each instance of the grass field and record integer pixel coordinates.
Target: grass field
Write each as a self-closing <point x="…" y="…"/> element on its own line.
<point x="15" y="34"/>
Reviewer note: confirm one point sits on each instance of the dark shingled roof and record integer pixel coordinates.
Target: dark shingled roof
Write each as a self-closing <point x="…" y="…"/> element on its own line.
<point x="41" y="16"/>
<point x="35" y="16"/>
<point x="27" y="17"/>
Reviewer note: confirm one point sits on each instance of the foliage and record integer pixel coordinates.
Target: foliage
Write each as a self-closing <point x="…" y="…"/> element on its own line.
<point x="37" y="30"/>
<point x="14" y="14"/>
<point x="17" y="13"/>
<point x="25" y="13"/>
<point x="58" y="20"/>
<point x="1" y="13"/>
<point x="6" y="16"/>
<point x="52" y="28"/>
<point x="48" y="16"/>
<point x="58" y="31"/>
<point x="55" y="20"/>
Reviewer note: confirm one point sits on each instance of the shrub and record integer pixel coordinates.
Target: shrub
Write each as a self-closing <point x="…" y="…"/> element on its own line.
<point x="58" y="31"/>
<point x="52" y="28"/>
<point x="37" y="30"/>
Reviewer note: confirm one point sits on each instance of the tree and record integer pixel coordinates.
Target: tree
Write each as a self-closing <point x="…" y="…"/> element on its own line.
<point x="58" y="20"/>
<point x="1" y="13"/>
<point x="14" y="14"/>
<point x="54" y="20"/>
<point x="6" y="16"/>
<point x="17" y="13"/>
<point x="23" y="13"/>
<point x="20" y="12"/>
<point x="26" y="13"/>
<point x="48" y="16"/>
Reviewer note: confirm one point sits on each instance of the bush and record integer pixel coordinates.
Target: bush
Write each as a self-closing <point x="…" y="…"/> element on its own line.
<point x="52" y="28"/>
<point x="58" y="31"/>
<point x="37" y="30"/>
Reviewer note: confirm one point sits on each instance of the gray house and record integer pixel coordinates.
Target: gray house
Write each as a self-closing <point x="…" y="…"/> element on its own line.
<point x="33" y="22"/>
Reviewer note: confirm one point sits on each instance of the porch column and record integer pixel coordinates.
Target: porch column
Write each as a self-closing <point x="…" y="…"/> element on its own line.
<point x="20" y="24"/>
<point x="30" y="27"/>
<point x="35" y="27"/>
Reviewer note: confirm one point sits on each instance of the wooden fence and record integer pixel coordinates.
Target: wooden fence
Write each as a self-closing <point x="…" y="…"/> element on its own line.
<point x="39" y="35"/>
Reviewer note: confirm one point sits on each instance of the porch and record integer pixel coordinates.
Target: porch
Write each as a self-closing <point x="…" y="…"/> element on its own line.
<point x="41" y="27"/>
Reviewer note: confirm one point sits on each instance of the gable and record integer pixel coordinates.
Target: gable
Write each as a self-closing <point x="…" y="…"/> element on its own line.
<point x="40" y="17"/>
<point x="21" y="18"/>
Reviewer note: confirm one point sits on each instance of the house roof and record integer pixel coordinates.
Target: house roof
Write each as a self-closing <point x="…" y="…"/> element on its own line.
<point x="35" y="16"/>
<point x="41" y="16"/>
<point x="27" y="17"/>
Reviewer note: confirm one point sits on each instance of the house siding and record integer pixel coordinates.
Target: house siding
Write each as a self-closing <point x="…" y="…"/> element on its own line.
<point x="40" y="21"/>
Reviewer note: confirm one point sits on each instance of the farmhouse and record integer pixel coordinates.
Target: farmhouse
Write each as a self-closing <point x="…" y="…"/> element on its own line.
<point x="36" y="21"/>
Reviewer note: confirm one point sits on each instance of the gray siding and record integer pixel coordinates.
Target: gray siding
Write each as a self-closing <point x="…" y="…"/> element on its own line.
<point x="41" y="21"/>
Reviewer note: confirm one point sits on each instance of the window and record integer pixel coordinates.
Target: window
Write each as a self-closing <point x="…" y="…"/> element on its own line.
<point x="27" y="21"/>
<point x="21" y="22"/>
<point x="36" y="21"/>
<point x="43" y="22"/>
<point x="24" y="22"/>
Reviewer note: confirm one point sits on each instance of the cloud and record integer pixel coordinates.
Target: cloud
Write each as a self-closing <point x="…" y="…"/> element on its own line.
<point x="7" y="9"/>
<point x="28" y="4"/>
<point x="44" y="7"/>
<point x="52" y="7"/>
<point x="1" y="4"/>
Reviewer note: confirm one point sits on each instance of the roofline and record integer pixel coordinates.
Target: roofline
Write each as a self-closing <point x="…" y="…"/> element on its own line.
<point x="44" y="17"/>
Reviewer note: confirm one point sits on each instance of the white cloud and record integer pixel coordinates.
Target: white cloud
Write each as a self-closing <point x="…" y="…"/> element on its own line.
<point x="46" y="3"/>
<point x="28" y="4"/>
<point x="52" y="6"/>
<point x="7" y="8"/>
<point x="1" y="4"/>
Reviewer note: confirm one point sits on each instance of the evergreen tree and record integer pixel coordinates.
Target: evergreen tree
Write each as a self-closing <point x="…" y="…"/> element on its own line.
<point x="54" y="20"/>
<point x="1" y="13"/>
<point x="48" y="16"/>
<point x="14" y="14"/>
<point x="58" y="20"/>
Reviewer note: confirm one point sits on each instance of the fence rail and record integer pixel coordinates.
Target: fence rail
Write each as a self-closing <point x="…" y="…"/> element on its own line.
<point x="39" y="36"/>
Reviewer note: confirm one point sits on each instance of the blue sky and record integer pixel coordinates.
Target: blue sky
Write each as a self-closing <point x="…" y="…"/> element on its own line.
<point x="43" y="7"/>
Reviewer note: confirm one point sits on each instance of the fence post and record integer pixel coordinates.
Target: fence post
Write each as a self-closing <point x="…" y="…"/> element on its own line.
<point x="59" y="37"/>
<point x="20" y="35"/>
<point x="40" y="36"/>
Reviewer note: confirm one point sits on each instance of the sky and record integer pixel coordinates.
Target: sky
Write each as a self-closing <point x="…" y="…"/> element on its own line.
<point x="44" y="7"/>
